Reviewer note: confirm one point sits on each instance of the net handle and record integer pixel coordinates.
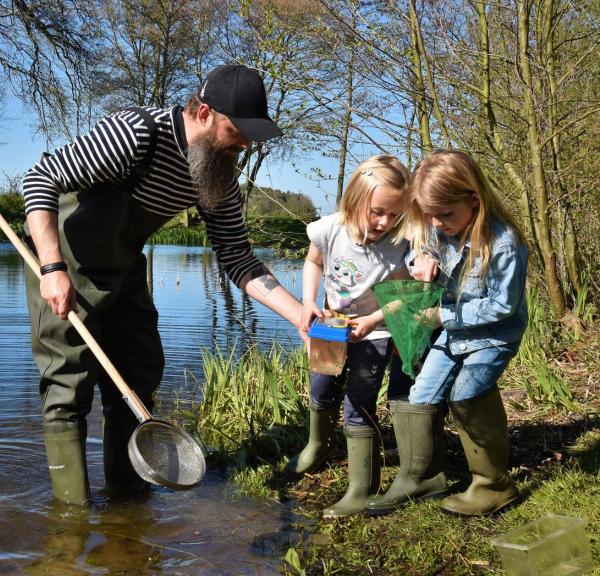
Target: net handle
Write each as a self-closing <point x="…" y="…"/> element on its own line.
<point x="130" y="397"/>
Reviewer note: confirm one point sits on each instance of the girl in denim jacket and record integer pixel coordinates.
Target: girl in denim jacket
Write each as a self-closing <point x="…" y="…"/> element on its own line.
<point x="462" y="229"/>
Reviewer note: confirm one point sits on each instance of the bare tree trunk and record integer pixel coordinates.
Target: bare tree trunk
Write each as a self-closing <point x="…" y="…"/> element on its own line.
<point x="420" y="95"/>
<point x="347" y="119"/>
<point x="543" y="222"/>
<point x="496" y="142"/>
<point x="346" y="123"/>
<point x="431" y="82"/>
<point x="571" y="251"/>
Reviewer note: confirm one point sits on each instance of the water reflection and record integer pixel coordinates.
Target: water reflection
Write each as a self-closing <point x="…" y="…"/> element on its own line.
<point x="208" y="530"/>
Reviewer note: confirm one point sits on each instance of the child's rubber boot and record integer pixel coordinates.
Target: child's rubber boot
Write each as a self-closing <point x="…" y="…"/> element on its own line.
<point x="419" y="431"/>
<point x="321" y="443"/>
<point x="482" y="427"/>
<point x="65" y="451"/>
<point x="363" y="472"/>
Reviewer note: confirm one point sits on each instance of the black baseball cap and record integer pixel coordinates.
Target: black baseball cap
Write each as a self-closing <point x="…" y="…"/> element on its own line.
<point x="239" y="93"/>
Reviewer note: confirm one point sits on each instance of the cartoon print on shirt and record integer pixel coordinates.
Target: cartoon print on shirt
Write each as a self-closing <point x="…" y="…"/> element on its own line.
<point x="343" y="275"/>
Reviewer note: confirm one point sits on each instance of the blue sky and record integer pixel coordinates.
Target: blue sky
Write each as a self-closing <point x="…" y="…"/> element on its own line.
<point x="20" y="148"/>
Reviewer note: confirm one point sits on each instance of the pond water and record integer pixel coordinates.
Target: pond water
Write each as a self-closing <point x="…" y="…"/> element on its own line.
<point x="207" y="530"/>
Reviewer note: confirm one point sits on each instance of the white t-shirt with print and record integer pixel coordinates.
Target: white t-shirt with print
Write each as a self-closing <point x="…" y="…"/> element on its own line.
<point x="351" y="269"/>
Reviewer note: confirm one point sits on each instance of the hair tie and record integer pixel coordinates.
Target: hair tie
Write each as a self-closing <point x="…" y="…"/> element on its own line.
<point x="367" y="172"/>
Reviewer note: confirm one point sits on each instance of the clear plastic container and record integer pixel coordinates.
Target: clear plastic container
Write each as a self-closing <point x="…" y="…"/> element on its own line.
<point x="552" y="545"/>
<point x="328" y="345"/>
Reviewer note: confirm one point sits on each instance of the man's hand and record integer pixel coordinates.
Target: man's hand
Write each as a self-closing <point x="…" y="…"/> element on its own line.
<point x="58" y="290"/>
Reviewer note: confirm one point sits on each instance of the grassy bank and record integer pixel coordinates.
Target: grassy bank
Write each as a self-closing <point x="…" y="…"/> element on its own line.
<point x="254" y="418"/>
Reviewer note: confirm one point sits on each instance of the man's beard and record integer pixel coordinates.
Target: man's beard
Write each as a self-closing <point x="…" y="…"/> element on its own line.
<point x="212" y="170"/>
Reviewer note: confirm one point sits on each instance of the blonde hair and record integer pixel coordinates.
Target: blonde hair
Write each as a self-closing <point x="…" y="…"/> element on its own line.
<point x="381" y="170"/>
<point x="446" y="177"/>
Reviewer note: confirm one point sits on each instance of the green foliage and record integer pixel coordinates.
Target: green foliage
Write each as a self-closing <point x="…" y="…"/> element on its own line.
<point x="12" y="207"/>
<point x="287" y="236"/>
<point x="249" y="402"/>
<point x="266" y="201"/>
<point x="192" y="236"/>
<point x="542" y="382"/>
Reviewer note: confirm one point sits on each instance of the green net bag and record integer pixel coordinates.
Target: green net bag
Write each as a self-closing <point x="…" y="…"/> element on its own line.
<point x="403" y="303"/>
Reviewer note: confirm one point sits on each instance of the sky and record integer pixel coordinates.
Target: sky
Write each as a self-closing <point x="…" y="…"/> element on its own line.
<point x="20" y="149"/>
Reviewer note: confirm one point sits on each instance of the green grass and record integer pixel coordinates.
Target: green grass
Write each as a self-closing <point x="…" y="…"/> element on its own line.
<point x="253" y="416"/>
<point x="249" y="403"/>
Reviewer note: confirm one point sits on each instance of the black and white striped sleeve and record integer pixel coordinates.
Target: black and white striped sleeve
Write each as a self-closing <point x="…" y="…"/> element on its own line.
<point x="228" y="236"/>
<point x="106" y="153"/>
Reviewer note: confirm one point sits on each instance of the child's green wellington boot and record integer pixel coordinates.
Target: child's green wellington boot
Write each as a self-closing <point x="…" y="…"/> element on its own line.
<point x="321" y="443"/>
<point x="363" y="472"/>
<point x="482" y="427"/>
<point x="419" y="431"/>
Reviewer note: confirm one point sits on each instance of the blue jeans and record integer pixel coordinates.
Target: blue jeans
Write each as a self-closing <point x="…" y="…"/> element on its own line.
<point x="456" y="377"/>
<point x="400" y="382"/>
<point x="360" y="379"/>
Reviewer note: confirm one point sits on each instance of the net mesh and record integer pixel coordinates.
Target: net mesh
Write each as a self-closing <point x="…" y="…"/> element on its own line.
<point x="165" y="455"/>
<point x="404" y="303"/>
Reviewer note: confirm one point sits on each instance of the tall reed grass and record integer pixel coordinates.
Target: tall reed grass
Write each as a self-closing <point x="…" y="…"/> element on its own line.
<point x="179" y="235"/>
<point x="252" y="406"/>
<point x="542" y="381"/>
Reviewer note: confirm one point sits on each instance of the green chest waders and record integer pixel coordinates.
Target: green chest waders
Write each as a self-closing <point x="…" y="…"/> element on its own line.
<point x="102" y="234"/>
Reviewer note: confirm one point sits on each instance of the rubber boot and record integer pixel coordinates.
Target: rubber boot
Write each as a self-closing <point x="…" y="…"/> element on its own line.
<point x="65" y="450"/>
<point x="363" y="472"/>
<point x="419" y="431"/>
<point x="321" y="443"/>
<point x="482" y="427"/>
<point x="119" y="474"/>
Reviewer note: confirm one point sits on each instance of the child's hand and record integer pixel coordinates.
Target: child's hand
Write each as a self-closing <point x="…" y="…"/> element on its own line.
<point x="363" y="326"/>
<point x="430" y="316"/>
<point x="424" y="268"/>
<point x="309" y="311"/>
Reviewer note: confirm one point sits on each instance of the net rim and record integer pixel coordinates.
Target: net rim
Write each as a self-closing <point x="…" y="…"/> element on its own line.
<point x="149" y="473"/>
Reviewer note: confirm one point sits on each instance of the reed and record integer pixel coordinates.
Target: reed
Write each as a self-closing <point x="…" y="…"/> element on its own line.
<point x="251" y="406"/>
<point x="179" y="235"/>
<point x="542" y="381"/>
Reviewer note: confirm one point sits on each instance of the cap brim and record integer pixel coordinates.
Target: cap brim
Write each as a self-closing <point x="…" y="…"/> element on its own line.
<point x="257" y="129"/>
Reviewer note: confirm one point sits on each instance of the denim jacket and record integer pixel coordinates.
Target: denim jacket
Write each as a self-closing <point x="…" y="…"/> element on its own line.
<point x="491" y="311"/>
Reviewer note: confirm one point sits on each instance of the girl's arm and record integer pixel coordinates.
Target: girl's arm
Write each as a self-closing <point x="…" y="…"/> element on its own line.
<point x="505" y="289"/>
<point x="311" y="280"/>
<point x="362" y="326"/>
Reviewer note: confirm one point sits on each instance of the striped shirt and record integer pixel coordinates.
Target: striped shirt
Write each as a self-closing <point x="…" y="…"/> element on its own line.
<point x="109" y="152"/>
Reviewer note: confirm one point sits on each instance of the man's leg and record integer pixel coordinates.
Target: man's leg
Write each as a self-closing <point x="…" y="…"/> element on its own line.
<point x="68" y="372"/>
<point x="132" y="342"/>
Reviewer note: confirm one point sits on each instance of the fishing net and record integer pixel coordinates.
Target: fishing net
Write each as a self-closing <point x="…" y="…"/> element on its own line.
<point x="408" y="309"/>
<point x="166" y="455"/>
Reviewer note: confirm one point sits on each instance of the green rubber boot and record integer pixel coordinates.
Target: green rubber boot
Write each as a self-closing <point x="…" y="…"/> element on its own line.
<point x="419" y="431"/>
<point x="482" y="427"/>
<point x="65" y="450"/>
<point x="363" y="472"/>
<point x="321" y="443"/>
<point x="119" y="474"/>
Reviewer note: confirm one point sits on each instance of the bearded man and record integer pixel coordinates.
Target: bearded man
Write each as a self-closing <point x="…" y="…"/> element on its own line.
<point x="90" y="208"/>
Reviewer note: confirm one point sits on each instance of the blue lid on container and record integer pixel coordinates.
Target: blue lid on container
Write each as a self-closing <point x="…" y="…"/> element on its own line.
<point x="332" y="329"/>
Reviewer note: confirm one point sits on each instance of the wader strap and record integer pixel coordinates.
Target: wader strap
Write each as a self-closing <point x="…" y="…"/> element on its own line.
<point x="142" y="168"/>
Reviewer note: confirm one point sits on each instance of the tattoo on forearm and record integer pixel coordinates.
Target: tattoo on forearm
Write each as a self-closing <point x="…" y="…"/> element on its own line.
<point x="265" y="281"/>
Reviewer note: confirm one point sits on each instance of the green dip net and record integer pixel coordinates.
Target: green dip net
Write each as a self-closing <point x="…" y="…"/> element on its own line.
<point x="403" y="303"/>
